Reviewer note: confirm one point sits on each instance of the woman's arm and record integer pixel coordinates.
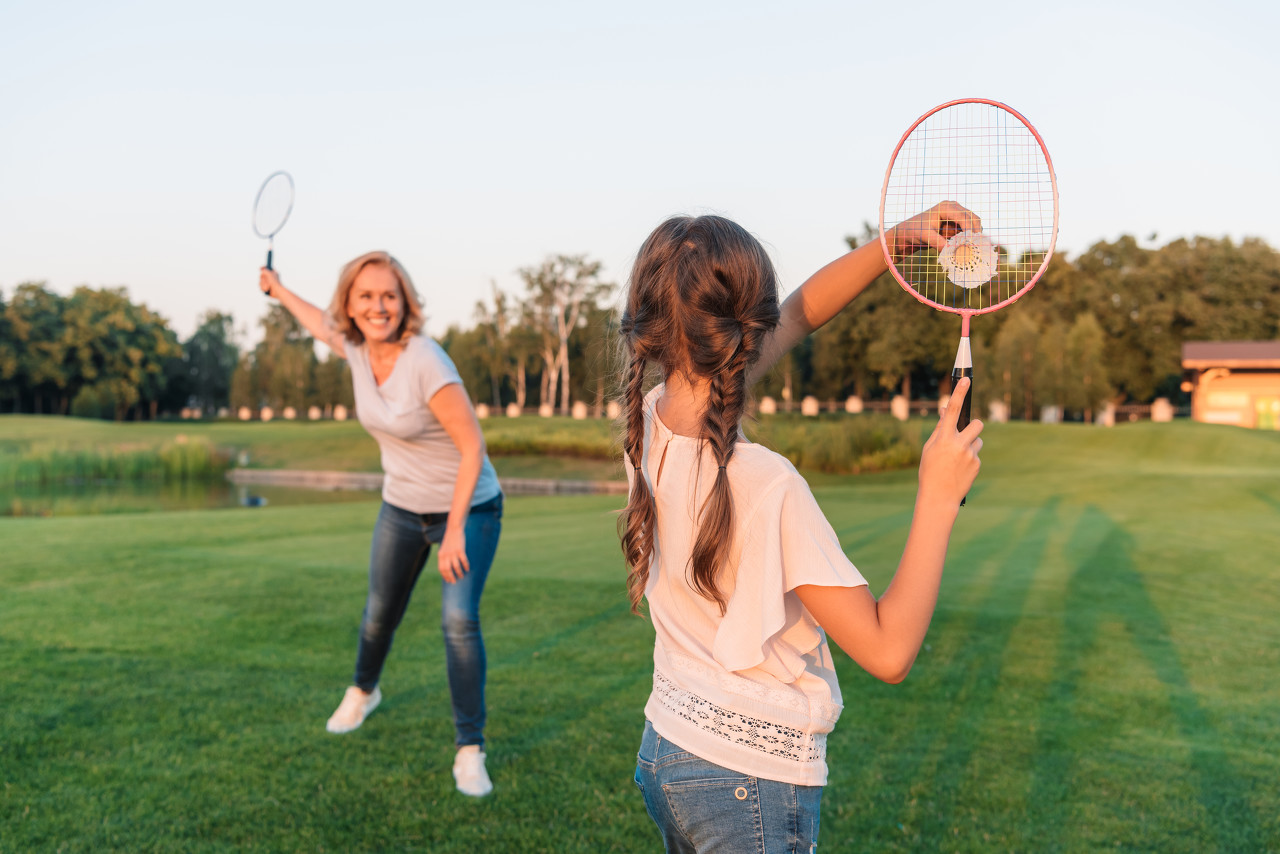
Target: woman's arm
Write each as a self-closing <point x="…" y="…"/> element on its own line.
<point x="452" y="408"/>
<point x="311" y="317"/>
<point x="885" y="636"/>
<point x="829" y="290"/>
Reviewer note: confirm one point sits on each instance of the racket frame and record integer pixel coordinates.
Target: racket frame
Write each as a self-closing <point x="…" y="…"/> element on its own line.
<point x="966" y="313"/>
<point x="271" y="236"/>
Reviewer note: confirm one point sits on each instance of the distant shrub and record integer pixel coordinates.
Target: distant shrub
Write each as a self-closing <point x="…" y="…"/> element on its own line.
<point x="94" y="402"/>
<point x="590" y="438"/>
<point x="840" y="444"/>
<point x="181" y="460"/>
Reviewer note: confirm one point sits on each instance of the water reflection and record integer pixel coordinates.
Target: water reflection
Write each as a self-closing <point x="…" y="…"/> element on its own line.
<point x="83" y="499"/>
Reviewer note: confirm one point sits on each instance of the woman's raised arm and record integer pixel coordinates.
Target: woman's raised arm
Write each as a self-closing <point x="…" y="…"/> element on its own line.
<point x="311" y="317"/>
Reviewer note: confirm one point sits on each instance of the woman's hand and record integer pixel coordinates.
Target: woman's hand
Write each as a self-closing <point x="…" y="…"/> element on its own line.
<point x="452" y="559"/>
<point x="930" y="229"/>
<point x="949" y="462"/>
<point x="268" y="281"/>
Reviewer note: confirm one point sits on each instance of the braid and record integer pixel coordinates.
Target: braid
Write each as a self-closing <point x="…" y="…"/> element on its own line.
<point x="720" y="421"/>
<point x="703" y="296"/>
<point x="638" y="521"/>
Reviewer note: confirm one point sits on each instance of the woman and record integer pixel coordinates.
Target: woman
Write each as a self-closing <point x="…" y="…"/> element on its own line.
<point x="743" y="576"/>
<point x="439" y="488"/>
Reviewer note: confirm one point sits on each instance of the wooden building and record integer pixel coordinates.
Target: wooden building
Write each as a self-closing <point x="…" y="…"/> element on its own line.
<point x="1234" y="382"/>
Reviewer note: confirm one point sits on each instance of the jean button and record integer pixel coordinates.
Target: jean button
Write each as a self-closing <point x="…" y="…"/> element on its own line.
<point x="740" y="793"/>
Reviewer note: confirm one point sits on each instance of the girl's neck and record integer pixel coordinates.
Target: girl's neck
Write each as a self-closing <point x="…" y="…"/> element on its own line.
<point x="682" y="403"/>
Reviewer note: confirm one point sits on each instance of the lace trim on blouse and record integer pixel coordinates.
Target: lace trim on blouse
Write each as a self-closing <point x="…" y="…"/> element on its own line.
<point x="755" y="733"/>
<point x="789" y="700"/>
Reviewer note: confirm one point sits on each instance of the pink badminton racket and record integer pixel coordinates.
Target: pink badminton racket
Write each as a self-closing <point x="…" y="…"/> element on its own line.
<point x="986" y="157"/>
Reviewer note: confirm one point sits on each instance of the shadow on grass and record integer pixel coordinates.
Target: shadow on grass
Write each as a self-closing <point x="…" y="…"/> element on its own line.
<point x="978" y="670"/>
<point x="1106" y="584"/>
<point x="1269" y="500"/>
<point x="969" y="681"/>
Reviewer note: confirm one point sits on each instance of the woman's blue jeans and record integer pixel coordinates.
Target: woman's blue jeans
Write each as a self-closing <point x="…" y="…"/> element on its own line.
<point x="705" y="808"/>
<point x="401" y="543"/>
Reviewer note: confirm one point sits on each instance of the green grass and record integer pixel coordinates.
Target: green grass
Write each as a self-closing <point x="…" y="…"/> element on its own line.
<point x="1100" y="674"/>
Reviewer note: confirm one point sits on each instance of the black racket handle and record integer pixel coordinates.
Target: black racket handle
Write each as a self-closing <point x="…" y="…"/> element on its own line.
<point x="949" y="228"/>
<point x="269" y="253"/>
<point x="962" y="421"/>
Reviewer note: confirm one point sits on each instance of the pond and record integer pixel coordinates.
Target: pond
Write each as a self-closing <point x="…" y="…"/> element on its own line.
<point x="103" y="497"/>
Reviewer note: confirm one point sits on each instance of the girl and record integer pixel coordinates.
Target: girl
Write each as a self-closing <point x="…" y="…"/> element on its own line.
<point x="439" y="488"/>
<point x="743" y="575"/>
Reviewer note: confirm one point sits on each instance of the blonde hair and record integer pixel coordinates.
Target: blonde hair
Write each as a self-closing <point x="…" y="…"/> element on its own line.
<point x="413" y="318"/>
<point x="702" y="297"/>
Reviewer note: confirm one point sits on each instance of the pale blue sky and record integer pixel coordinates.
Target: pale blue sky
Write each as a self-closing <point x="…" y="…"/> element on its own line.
<point x="473" y="139"/>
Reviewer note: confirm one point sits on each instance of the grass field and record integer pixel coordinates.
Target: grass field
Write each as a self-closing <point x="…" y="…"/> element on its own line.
<point x="1101" y="672"/>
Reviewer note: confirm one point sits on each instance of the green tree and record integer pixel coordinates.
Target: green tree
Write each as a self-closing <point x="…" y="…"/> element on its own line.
<point x="117" y="347"/>
<point x="283" y="361"/>
<point x="1086" y="355"/>
<point x="1012" y="365"/>
<point x="8" y="360"/>
<point x="210" y="356"/>
<point x="468" y="349"/>
<point x="42" y="375"/>
<point x="559" y="291"/>
<point x="494" y="322"/>
<point x="333" y="384"/>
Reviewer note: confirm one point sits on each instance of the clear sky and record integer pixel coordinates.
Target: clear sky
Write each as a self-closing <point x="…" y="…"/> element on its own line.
<point x="472" y="139"/>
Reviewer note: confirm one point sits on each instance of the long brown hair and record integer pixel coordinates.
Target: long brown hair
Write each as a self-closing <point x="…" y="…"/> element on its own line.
<point x="412" y="321"/>
<point x="703" y="295"/>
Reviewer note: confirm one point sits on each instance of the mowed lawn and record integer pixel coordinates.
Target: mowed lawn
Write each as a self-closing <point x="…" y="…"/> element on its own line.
<point x="1103" y="671"/>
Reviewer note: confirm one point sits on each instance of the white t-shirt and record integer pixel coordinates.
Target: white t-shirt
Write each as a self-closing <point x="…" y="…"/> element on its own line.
<point x="753" y="690"/>
<point x="419" y="459"/>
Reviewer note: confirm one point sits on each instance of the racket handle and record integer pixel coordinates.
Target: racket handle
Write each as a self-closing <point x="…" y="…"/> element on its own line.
<point x="949" y="229"/>
<point x="962" y="421"/>
<point x="269" y="253"/>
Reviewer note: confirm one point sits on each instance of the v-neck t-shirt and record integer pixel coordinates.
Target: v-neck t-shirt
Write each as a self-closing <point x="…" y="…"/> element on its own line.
<point x="419" y="459"/>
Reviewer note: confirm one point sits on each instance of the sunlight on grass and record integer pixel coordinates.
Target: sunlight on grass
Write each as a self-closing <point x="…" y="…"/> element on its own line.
<point x="1099" y="673"/>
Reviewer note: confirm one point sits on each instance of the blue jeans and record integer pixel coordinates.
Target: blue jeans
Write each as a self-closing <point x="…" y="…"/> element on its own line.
<point x="401" y="543"/>
<point x="703" y="807"/>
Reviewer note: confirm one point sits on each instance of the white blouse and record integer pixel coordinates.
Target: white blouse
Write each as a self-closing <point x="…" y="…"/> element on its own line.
<point x="753" y="690"/>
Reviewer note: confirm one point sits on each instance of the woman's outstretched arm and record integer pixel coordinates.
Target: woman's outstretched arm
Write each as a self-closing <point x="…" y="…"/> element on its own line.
<point x="311" y="317"/>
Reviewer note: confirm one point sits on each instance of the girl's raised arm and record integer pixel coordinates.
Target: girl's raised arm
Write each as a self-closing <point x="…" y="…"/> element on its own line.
<point x="311" y="317"/>
<point x="829" y="290"/>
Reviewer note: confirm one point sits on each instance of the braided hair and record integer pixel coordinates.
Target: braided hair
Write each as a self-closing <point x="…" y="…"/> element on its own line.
<point x="703" y="295"/>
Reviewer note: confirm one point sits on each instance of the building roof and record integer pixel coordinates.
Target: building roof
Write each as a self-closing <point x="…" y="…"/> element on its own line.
<point x="1202" y="355"/>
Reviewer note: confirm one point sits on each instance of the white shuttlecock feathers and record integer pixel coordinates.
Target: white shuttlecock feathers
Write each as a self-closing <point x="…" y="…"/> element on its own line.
<point x="969" y="258"/>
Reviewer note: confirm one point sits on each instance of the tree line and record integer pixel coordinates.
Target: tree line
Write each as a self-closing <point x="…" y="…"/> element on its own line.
<point x="1106" y="325"/>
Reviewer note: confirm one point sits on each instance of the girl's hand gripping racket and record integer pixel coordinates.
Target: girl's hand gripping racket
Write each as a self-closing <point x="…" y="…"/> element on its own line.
<point x="973" y="193"/>
<point x="272" y="207"/>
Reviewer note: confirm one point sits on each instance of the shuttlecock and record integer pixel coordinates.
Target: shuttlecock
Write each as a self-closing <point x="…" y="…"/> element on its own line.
<point x="969" y="258"/>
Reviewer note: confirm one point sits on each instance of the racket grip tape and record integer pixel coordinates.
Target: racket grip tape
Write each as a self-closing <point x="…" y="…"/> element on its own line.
<point x="962" y="420"/>
<point x="269" y="253"/>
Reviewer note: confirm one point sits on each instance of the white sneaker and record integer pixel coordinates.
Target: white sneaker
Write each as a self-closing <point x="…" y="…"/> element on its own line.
<point x="469" y="773"/>
<point x="356" y="705"/>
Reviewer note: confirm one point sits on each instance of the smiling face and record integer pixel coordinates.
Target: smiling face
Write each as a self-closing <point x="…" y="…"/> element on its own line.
<point x="376" y="304"/>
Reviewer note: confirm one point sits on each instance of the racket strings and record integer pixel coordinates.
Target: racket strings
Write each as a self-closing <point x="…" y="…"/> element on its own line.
<point x="988" y="160"/>
<point x="273" y="205"/>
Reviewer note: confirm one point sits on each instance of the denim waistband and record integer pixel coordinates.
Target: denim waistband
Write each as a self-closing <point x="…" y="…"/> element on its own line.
<point x="493" y="505"/>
